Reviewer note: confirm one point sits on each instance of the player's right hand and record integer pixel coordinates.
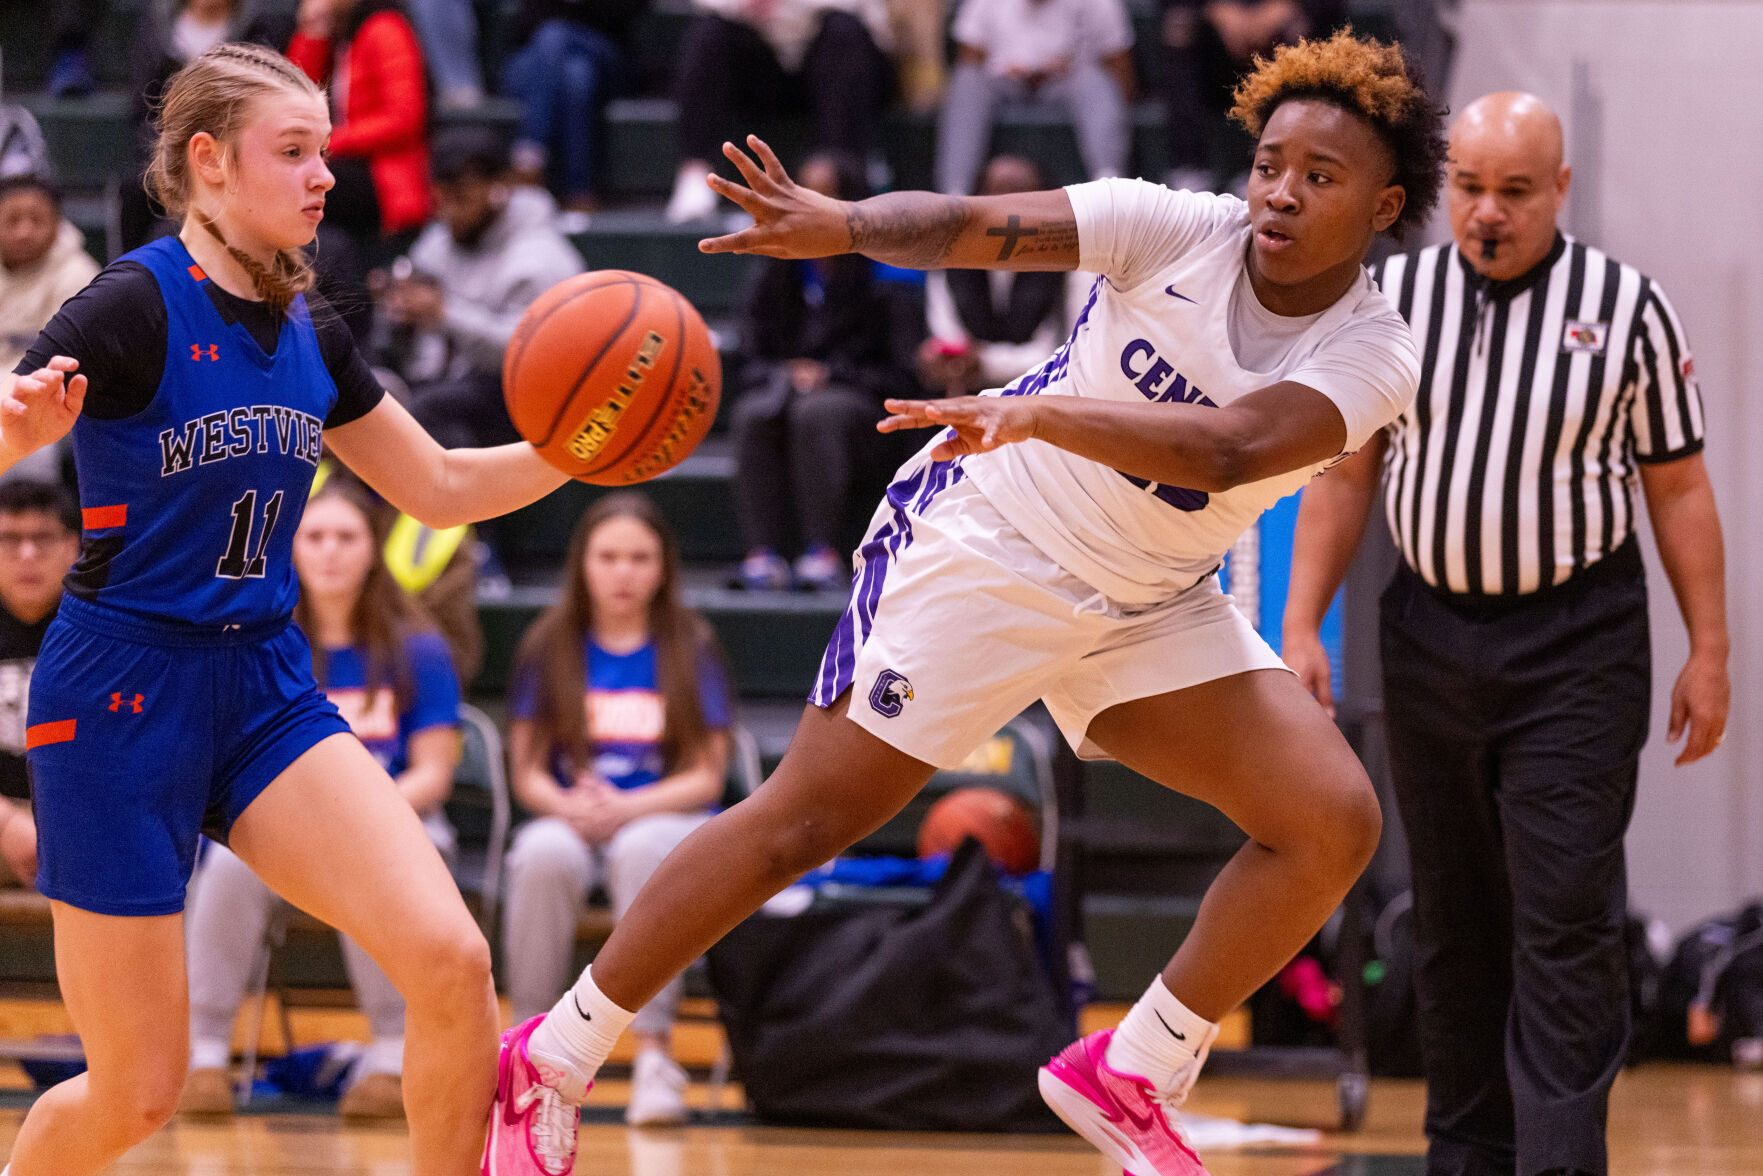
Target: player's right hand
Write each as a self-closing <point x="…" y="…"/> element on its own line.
<point x="1305" y="656"/>
<point x="788" y="219"/>
<point x="41" y="407"/>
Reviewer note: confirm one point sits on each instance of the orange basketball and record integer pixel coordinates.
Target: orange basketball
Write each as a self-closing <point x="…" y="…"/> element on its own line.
<point x="997" y="820"/>
<point x="612" y="376"/>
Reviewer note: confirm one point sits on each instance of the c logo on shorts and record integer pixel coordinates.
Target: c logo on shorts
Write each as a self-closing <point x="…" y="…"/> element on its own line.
<point x="890" y="694"/>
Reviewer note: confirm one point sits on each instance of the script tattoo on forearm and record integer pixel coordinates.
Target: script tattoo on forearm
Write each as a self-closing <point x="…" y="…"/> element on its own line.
<point x="1024" y="241"/>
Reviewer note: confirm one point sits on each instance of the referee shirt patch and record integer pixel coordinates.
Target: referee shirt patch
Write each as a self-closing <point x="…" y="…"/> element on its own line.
<point x="1592" y="338"/>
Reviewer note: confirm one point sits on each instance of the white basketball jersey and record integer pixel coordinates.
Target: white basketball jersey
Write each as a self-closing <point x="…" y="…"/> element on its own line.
<point x="1158" y="326"/>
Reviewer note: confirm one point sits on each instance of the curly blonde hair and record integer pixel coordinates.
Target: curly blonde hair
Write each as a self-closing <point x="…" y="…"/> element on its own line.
<point x="1367" y="78"/>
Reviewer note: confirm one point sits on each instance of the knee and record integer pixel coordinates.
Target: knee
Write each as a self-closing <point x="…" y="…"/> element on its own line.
<point x="803" y="842"/>
<point x="544" y="850"/>
<point x="1354" y="823"/>
<point x="144" y="1100"/>
<point x="453" y="969"/>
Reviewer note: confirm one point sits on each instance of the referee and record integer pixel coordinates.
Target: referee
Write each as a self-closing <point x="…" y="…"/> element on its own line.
<point x="1516" y="675"/>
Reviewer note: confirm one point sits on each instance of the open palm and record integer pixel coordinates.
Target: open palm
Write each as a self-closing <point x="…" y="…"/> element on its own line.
<point x="788" y="220"/>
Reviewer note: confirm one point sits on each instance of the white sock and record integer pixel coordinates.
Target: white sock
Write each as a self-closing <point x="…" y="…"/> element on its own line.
<point x="1162" y="1041"/>
<point x="576" y="1036"/>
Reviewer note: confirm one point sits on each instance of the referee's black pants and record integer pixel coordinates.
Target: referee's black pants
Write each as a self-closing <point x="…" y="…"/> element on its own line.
<point x="1515" y="731"/>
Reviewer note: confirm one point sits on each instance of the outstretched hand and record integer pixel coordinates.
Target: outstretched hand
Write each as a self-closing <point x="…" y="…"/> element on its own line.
<point x="788" y="220"/>
<point x="41" y="408"/>
<point x="978" y="423"/>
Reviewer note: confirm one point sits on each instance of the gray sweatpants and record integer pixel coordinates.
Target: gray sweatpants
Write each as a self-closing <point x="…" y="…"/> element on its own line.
<point x="1088" y="95"/>
<point x="550" y="872"/>
<point x="228" y="915"/>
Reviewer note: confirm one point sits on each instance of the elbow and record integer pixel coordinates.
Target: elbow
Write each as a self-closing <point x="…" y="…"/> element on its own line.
<point x="1231" y="461"/>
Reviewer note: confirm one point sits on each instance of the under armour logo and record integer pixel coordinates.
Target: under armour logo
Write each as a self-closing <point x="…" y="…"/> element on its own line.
<point x="117" y="702"/>
<point x="196" y="350"/>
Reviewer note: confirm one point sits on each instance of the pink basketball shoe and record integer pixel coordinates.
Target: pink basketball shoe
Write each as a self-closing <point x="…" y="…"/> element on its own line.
<point x="1119" y="1113"/>
<point x="532" y="1126"/>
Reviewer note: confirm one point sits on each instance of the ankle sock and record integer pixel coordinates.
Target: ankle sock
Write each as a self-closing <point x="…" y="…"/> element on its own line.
<point x="1162" y="1041"/>
<point x="576" y="1036"/>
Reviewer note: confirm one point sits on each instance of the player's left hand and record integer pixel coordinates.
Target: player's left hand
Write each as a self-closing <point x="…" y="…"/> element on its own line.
<point x="1700" y="701"/>
<point x="980" y="423"/>
<point x="789" y="220"/>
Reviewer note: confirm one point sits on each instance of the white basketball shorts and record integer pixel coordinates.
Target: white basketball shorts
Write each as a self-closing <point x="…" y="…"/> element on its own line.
<point x="957" y="622"/>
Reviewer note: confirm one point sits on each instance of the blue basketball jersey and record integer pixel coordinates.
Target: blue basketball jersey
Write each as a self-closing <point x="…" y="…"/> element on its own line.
<point x="189" y="506"/>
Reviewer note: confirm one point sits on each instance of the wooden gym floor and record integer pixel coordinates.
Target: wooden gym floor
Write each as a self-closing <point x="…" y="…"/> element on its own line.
<point x="1664" y="1121"/>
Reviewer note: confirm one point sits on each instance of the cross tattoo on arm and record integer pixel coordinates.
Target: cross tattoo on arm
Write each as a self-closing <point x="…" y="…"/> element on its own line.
<point x="1012" y="232"/>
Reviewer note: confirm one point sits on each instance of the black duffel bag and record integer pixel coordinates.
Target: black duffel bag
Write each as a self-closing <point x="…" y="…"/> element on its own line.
<point x="885" y="1015"/>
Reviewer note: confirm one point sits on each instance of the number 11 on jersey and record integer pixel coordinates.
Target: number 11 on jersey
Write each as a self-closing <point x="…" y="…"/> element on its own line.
<point x="239" y="563"/>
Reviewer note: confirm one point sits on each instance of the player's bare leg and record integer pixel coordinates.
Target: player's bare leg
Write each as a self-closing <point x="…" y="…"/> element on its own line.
<point x="333" y="836"/>
<point x="837" y="783"/>
<point x="125" y="986"/>
<point x="1258" y="748"/>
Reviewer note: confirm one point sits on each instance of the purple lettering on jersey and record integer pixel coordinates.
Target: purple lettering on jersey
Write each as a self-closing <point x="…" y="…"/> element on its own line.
<point x="1153" y="381"/>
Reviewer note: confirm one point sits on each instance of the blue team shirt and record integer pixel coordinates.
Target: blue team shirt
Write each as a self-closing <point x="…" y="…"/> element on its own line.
<point x="626" y="712"/>
<point x="374" y="716"/>
<point x="189" y="506"/>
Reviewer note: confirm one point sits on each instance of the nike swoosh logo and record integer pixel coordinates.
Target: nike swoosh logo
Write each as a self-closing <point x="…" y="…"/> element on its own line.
<point x="1144" y="1121"/>
<point x="1172" y="1033"/>
<point x="587" y="1016"/>
<point x="1174" y="293"/>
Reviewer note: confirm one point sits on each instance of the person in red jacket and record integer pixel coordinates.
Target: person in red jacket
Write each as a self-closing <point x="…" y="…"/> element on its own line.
<point x="367" y="53"/>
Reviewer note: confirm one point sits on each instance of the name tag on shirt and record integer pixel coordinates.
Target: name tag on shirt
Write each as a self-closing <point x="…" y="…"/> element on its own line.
<point x="1592" y="338"/>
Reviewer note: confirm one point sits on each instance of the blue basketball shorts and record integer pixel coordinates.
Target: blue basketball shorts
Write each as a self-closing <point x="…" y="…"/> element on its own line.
<point x="141" y="737"/>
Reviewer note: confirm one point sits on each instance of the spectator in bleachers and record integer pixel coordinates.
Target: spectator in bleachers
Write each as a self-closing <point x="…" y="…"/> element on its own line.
<point x="366" y="52"/>
<point x="1071" y="55"/>
<point x="823" y="343"/>
<point x="73" y="24"/>
<point x="39" y="540"/>
<point x="572" y="59"/>
<point x="452" y="305"/>
<point x="168" y="37"/>
<point x="1209" y="45"/>
<point x="448" y="30"/>
<point x="823" y="57"/>
<point x="43" y="263"/>
<point x="988" y="327"/>
<point x="386" y="670"/>
<point x="920" y="37"/>
<point x="437" y="566"/>
<point x="619" y="724"/>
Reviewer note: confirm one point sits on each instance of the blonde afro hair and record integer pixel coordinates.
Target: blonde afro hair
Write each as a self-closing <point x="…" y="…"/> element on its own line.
<point x="1367" y="78"/>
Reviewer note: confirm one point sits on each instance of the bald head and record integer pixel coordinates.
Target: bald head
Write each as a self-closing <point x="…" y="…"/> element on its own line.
<point x="1507" y="180"/>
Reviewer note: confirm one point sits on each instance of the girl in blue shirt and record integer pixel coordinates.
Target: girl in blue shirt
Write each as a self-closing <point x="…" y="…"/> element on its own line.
<point x="389" y="675"/>
<point x="199" y="381"/>
<point x="620" y="720"/>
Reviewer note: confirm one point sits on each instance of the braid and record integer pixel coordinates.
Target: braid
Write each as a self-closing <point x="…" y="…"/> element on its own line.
<point x="289" y="277"/>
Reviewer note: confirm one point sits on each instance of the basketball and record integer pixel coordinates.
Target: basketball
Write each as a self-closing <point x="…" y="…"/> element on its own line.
<point x="612" y="377"/>
<point x="997" y="820"/>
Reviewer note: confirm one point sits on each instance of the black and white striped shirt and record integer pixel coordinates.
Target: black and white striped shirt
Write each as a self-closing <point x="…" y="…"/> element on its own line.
<point x="1515" y="467"/>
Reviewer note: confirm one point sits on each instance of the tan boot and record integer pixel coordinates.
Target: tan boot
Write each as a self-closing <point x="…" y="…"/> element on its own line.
<point x="377" y="1096"/>
<point x="207" y="1093"/>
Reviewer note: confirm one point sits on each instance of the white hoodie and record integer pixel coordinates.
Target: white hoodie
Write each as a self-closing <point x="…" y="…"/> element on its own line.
<point x="488" y="286"/>
<point x="29" y="297"/>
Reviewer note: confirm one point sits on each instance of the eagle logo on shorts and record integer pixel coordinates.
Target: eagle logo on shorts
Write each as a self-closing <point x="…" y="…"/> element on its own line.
<point x="890" y="694"/>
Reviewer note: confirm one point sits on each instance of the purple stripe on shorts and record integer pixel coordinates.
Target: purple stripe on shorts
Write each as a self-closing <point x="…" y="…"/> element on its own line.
<point x="909" y="495"/>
